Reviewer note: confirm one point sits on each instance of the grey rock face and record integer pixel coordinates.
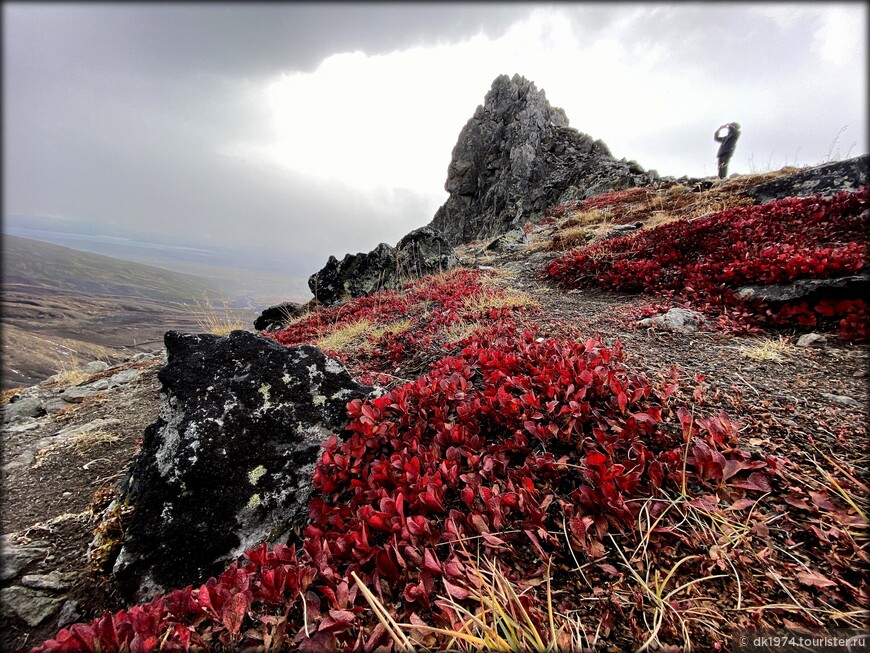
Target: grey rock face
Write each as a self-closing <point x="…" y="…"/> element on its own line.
<point x="95" y="367"/>
<point x="16" y="558"/>
<point x="842" y="400"/>
<point x="230" y="460"/>
<point x="26" y="407"/>
<point x="53" y="582"/>
<point x="855" y="286"/>
<point x="275" y="317"/>
<point x="30" y="605"/>
<point x="827" y="179"/>
<point x="123" y="377"/>
<point x="421" y="252"/>
<point x="511" y="240"/>
<point x="812" y="340"/>
<point x="78" y="393"/>
<point x="517" y="156"/>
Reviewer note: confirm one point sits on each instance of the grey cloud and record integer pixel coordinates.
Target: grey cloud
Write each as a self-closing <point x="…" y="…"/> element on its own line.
<point x="236" y="39"/>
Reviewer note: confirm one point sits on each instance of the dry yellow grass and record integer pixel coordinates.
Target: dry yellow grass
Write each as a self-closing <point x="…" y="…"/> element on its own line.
<point x="377" y="333"/>
<point x="210" y="319"/>
<point x="769" y="349"/>
<point x="497" y="277"/>
<point x="79" y="442"/>
<point x="69" y="377"/>
<point x="485" y="301"/>
<point x="585" y="218"/>
<point x="341" y="339"/>
<point x="360" y="335"/>
<point x="571" y="237"/>
<point x="459" y="331"/>
<point x="659" y="218"/>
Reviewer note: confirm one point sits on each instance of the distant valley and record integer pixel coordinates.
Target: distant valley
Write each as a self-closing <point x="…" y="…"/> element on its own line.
<point x="243" y="275"/>
<point x="62" y="308"/>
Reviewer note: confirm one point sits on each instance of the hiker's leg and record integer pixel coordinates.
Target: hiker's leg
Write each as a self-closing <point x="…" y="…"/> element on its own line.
<point x="723" y="167"/>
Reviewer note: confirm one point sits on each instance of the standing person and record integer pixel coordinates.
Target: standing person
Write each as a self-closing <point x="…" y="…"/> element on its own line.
<point x="726" y="149"/>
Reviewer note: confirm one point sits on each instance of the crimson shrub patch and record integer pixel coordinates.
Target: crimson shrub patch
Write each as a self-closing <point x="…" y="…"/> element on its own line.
<point x="505" y="446"/>
<point x="705" y="260"/>
<point x="432" y="307"/>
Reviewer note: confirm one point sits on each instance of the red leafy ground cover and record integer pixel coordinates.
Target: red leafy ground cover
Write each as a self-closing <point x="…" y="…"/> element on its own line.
<point x="537" y="452"/>
<point x="505" y="445"/>
<point x="705" y="260"/>
<point x="432" y="306"/>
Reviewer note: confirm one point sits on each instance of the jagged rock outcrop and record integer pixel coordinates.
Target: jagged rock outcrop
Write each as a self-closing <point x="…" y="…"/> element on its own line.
<point x="827" y="179"/>
<point x="230" y="460"/>
<point x="421" y="252"/>
<point x="275" y="317"/>
<point x="356" y="275"/>
<point x="517" y="156"/>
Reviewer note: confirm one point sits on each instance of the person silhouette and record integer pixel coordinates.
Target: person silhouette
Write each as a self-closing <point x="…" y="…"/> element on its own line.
<point x="728" y="143"/>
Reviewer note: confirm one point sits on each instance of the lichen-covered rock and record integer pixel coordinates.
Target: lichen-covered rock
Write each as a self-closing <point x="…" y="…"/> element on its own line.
<point x="230" y="459"/>
<point x="827" y="179"/>
<point x="276" y="317"/>
<point x="678" y="320"/>
<point x="517" y="156"/>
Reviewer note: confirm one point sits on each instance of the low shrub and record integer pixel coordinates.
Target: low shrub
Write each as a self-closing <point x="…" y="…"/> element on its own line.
<point x="706" y="260"/>
<point x="503" y="445"/>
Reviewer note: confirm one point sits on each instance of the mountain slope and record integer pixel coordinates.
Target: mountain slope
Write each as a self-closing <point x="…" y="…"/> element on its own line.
<point x="62" y="307"/>
<point x="42" y="265"/>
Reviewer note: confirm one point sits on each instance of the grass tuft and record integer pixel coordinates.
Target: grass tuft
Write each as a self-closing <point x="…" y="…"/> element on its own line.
<point x="79" y="442"/>
<point x="214" y="320"/>
<point x="769" y="349"/>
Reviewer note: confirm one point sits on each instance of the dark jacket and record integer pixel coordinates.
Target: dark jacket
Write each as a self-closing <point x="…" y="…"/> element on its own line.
<point x="729" y="141"/>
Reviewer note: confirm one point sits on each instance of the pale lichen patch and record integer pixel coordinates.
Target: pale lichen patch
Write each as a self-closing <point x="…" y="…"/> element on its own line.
<point x="256" y="474"/>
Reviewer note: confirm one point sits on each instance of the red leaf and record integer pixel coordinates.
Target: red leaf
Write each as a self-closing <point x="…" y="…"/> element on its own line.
<point x="455" y="591"/>
<point x="622" y="400"/>
<point x="814" y="579"/>
<point x="757" y="481"/>
<point x="741" y="504"/>
<point x="234" y="612"/>
<point x="821" y="500"/>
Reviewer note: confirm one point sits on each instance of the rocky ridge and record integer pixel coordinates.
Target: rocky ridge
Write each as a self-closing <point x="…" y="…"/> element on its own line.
<point x="514" y="158"/>
<point x="517" y="156"/>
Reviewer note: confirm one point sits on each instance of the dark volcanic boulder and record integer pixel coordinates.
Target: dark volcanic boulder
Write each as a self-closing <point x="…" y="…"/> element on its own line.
<point x="356" y="275"/>
<point x="517" y="156"/>
<point x="275" y="317"/>
<point x="421" y="252"/>
<point x="229" y="462"/>
<point x="809" y="290"/>
<point x="827" y="179"/>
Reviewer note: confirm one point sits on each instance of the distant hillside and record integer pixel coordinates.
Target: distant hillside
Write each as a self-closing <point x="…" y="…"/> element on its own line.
<point x="41" y="265"/>
<point x="62" y="308"/>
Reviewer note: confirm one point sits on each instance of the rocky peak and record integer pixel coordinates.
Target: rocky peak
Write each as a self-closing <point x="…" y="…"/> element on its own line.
<point x="516" y="156"/>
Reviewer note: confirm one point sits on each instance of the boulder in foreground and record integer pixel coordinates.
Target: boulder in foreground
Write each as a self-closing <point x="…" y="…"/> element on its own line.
<point x="230" y="459"/>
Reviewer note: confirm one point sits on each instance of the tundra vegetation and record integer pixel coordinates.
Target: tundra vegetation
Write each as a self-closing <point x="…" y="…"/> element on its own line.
<point x="519" y="486"/>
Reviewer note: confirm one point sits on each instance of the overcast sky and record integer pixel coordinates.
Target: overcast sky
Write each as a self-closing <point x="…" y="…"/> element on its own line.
<point x="319" y="129"/>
